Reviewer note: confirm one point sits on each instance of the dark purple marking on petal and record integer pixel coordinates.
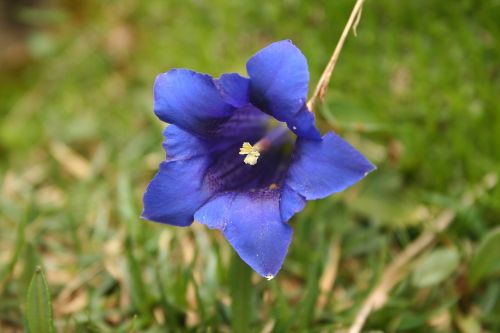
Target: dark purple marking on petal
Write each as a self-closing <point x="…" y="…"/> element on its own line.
<point x="246" y="124"/>
<point x="228" y="172"/>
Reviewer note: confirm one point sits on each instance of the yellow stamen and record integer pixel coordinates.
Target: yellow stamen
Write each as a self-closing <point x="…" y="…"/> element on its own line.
<point x="251" y="152"/>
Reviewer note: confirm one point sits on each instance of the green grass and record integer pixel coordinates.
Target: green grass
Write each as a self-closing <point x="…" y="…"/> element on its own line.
<point x="416" y="91"/>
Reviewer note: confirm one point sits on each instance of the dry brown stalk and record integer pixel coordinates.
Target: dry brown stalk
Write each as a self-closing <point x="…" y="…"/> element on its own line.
<point x="320" y="90"/>
<point x="398" y="269"/>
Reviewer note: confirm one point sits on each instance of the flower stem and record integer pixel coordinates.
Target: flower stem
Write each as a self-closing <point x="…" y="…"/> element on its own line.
<point x="320" y="90"/>
<point x="241" y="295"/>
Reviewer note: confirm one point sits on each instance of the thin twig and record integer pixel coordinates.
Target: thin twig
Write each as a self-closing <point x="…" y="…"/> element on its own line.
<point x="320" y="90"/>
<point x="329" y="276"/>
<point x="397" y="270"/>
<point x="356" y="22"/>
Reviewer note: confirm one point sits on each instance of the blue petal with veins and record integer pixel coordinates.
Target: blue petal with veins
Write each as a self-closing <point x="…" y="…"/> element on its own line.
<point x="204" y="177"/>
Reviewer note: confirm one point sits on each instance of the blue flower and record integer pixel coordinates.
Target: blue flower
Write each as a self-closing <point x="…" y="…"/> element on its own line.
<point x="233" y="165"/>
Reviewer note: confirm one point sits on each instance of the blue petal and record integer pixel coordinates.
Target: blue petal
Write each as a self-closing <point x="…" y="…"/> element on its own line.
<point x="251" y="222"/>
<point x="291" y="203"/>
<point x="303" y="125"/>
<point x="180" y="144"/>
<point x="176" y="192"/>
<point x="320" y="168"/>
<point x="279" y="80"/>
<point x="234" y="89"/>
<point x="190" y="100"/>
<point x="246" y="124"/>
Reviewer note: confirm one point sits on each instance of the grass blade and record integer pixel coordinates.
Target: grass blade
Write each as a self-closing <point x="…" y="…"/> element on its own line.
<point x="39" y="307"/>
<point x="486" y="260"/>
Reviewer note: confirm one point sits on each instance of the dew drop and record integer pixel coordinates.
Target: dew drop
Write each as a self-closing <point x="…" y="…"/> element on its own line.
<point x="269" y="277"/>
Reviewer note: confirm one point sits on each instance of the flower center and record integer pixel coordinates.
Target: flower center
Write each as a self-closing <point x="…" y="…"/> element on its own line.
<point x="252" y="153"/>
<point x="275" y="137"/>
<point x="257" y="157"/>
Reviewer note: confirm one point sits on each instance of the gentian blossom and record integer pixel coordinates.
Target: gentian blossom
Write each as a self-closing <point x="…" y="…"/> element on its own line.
<point x="243" y="155"/>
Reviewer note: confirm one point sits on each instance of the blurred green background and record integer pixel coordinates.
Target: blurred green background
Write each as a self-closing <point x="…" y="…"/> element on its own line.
<point x="417" y="91"/>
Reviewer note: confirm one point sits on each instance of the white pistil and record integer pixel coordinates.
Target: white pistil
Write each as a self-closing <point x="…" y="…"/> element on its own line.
<point x="251" y="152"/>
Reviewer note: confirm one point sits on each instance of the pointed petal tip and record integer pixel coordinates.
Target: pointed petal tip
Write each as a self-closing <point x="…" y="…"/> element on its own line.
<point x="321" y="168"/>
<point x="371" y="168"/>
<point x="145" y="217"/>
<point x="252" y="224"/>
<point x="303" y="124"/>
<point x="176" y="192"/>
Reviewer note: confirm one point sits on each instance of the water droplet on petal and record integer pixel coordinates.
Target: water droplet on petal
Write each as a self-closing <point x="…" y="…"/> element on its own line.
<point x="269" y="277"/>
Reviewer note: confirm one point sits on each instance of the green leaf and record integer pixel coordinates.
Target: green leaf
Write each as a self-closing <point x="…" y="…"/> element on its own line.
<point x="468" y="324"/>
<point x="486" y="259"/>
<point x="435" y="267"/>
<point x="39" y="307"/>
